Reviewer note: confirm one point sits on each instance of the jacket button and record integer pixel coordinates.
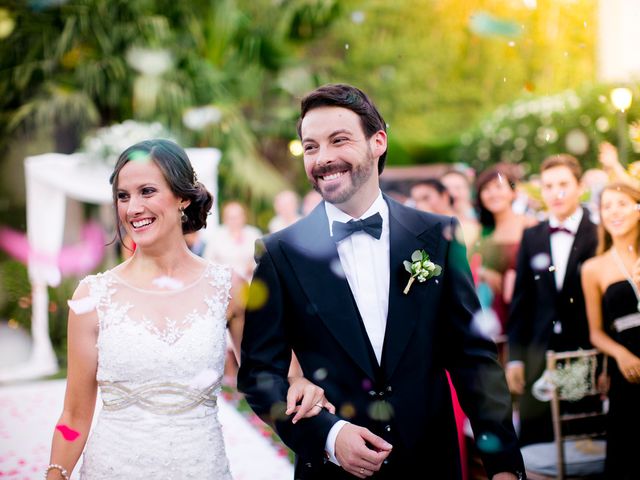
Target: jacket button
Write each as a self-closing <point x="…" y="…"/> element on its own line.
<point x="389" y="389"/>
<point x="372" y="393"/>
<point x="387" y="428"/>
<point x="308" y="464"/>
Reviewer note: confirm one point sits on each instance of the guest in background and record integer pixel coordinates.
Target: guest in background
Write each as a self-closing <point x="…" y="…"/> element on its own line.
<point x="497" y="249"/>
<point x="195" y="242"/>
<point x="310" y="201"/>
<point x="430" y="195"/>
<point x="610" y="282"/>
<point x="128" y="247"/>
<point x="460" y="188"/>
<point x="232" y="243"/>
<point x="548" y="310"/>
<point x="608" y="157"/>
<point x="286" y="204"/>
<point x="593" y="181"/>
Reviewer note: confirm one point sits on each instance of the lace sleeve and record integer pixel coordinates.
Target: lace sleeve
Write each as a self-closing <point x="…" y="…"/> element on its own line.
<point x="89" y="296"/>
<point x="219" y="278"/>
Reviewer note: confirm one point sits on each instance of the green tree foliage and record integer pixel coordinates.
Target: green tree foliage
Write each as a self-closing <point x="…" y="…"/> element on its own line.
<point x="77" y="65"/>
<point x="436" y="67"/>
<point x="536" y="126"/>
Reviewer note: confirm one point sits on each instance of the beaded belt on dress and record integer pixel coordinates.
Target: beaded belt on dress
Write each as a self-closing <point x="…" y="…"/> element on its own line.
<point x="143" y="397"/>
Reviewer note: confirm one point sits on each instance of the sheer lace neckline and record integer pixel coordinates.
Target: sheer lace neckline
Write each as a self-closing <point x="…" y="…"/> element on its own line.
<point x="164" y="284"/>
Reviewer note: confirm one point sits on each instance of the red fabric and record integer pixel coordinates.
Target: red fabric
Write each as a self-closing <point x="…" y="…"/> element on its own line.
<point x="475" y="263"/>
<point x="460" y="418"/>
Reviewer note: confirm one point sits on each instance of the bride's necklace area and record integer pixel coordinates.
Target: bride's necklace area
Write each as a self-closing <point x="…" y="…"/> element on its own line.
<point x="623" y="269"/>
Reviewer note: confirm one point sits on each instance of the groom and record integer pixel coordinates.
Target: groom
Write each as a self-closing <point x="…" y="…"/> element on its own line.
<point x="334" y="283"/>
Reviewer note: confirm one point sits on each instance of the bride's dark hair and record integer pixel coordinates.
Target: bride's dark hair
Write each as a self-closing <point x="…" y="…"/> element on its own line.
<point x="179" y="174"/>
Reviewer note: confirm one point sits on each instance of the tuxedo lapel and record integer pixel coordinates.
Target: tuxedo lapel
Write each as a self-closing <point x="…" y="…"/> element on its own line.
<point x="406" y="236"/>
<point x="314" y="259"/>
<point x="542" y="246"/>
<point x="580" y="243"/>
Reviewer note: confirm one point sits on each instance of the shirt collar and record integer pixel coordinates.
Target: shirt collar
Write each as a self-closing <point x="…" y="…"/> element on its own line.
<point x="572" y="223"/>
<point x="378" y="206"/>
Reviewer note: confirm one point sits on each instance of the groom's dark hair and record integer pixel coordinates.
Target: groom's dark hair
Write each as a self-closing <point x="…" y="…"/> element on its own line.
<point x="351" y="98"/>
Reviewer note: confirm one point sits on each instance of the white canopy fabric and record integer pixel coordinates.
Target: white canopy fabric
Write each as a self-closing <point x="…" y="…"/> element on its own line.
<point x="55" y="183"/>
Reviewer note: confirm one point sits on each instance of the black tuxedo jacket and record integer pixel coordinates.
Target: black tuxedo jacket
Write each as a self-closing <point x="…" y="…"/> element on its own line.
<point x="538" y="305"/>
<point x="406" y="399"/>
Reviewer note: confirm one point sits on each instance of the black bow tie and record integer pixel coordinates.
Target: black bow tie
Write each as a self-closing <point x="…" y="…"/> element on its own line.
<point x="560" y="229"/>
<point x="372" y="225"/>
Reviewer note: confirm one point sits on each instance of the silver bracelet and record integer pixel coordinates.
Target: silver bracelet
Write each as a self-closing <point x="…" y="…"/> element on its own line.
<point x="60" y="468"/>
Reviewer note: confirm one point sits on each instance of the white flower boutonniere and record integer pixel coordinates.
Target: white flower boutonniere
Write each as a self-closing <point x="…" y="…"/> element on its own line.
<point x="420" y="267"/>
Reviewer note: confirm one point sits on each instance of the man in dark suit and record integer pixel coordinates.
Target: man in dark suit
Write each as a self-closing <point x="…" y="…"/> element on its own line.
<point x="547" y="310"/>
<point x="336" y="288"/>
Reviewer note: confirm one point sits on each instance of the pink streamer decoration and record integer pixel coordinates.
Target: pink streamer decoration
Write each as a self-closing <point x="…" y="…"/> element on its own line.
<point x="69" y="434"/>
<point x="15" y="244"/>
<point x="84" y="256"/>
<point x="78" y="259"/>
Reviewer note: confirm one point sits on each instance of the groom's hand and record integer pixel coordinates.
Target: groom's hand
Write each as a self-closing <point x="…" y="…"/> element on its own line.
<point x="359" y="451"/>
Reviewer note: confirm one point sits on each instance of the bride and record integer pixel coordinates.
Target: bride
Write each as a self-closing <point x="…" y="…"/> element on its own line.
<point x="150" y="333"/>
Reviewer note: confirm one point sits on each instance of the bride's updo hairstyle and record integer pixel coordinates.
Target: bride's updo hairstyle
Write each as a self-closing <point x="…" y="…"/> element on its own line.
<point x="178" y="172"/>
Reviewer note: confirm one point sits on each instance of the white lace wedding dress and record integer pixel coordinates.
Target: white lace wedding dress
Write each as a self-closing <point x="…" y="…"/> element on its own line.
<point x="160" y="363"/>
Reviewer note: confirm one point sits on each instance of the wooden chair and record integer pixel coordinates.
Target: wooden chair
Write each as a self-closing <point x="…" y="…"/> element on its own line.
<point x="578" y="449"/>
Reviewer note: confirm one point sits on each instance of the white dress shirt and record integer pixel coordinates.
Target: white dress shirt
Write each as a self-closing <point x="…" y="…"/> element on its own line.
<point x="365" y="263"/>
<point x="561" y="243"/>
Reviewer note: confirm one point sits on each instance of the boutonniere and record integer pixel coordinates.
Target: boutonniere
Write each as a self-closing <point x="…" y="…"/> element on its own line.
<point x="421" y="268"/>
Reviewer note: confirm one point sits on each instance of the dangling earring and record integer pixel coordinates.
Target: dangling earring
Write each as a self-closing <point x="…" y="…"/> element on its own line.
<point x="183" y="216"/>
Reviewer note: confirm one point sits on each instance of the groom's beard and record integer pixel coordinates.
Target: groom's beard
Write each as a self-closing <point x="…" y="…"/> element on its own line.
<point x="358" y="174"/>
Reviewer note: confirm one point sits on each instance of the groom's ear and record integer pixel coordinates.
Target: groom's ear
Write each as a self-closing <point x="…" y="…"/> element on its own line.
<point x="378" y="143"/>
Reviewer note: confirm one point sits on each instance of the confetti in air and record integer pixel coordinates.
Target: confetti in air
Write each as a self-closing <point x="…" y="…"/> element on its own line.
<point x="336" y="268"/>
<point x="139" y="156"/>
<point x="167" y="283"/>
<point x="489" y="443"/>
<point x="320" y="374"/>
<point x="487" y="25"/>
<point x="486" y="323"/>
<point x="254" y="296"/>
<point x="82" y="305"/>
<point x="357" y="17"/>
<point x="69" y="434"/>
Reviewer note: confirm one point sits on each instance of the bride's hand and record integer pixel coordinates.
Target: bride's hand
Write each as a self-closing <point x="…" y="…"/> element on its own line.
<point x="306" y="399"/>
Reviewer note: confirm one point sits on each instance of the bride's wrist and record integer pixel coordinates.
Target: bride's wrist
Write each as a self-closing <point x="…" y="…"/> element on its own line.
<point x="62" y="472"/>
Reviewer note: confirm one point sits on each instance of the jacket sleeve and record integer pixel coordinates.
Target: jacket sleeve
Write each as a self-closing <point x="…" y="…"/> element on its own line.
<point x="471" y="360"/>
<point x="265" y="359"/>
